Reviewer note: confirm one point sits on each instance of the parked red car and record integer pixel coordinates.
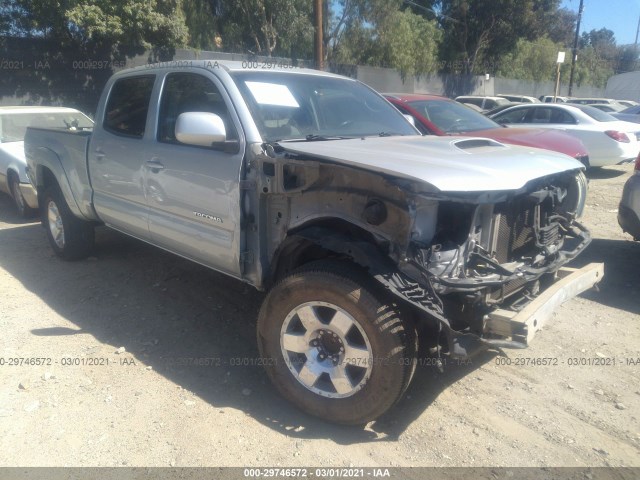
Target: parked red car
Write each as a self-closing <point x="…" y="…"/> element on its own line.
<point x="436" y="115"/>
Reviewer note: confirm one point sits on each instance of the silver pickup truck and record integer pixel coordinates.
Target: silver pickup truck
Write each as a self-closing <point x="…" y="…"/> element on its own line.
<point x="369" y="237"/>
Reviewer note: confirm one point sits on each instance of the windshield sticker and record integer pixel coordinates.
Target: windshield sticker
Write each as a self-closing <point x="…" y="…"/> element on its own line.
<point x="272" y="94"/>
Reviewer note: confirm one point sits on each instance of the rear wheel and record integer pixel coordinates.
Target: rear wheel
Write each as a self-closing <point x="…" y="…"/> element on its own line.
<point x="21" y="205"/>
<point x="70" y="237"/>
<point x="334" y="344"/>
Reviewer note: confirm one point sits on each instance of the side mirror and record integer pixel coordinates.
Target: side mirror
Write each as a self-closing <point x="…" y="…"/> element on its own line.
<point x="410" y="119"/>
<point x="200" y="128"/>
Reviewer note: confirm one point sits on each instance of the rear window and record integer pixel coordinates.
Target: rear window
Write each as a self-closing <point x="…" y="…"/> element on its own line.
<point x="597" y="115"/>
<point x="128" y="104"/>
<point x="474" y="101"/>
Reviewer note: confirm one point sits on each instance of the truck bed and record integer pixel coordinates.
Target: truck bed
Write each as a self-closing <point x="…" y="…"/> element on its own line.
<point x="65" y="156"/>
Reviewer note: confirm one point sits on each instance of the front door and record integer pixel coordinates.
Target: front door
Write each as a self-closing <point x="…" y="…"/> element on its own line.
<point x="193" y="192"/>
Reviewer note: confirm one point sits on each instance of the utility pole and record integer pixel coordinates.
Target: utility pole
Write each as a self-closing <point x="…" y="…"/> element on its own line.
<point x="635" y="47"/>
<point x="575" y="48"/>
<point x="319" y="39"/>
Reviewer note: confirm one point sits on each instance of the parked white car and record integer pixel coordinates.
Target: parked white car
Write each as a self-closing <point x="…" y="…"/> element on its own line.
<point x="13" y="125"/>
<point x="628" y="103"/>
<point x="609" y="141"/>
<point x="549" y="99"/>
<point x="483" y="103"/>
<point x="514" y="97"/>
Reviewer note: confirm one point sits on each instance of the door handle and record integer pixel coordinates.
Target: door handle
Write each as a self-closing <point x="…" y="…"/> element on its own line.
<point x="154" y="165"/>
<point x="99" y="154"/>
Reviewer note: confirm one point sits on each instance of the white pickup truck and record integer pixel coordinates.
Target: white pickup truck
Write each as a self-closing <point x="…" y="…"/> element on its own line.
<point x="313" y="187"/>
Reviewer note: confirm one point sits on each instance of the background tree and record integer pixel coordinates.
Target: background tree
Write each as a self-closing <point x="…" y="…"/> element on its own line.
<point x="383" y="33"/>
<point x="477" y="33"/>
<point x="68" y="49"/>
<point x="265" y="27"/>
<point x="531" y="60"/>
<point x="201" y="20"/>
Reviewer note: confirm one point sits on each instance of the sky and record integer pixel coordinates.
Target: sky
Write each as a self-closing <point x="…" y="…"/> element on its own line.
<point x="620" y="16"/>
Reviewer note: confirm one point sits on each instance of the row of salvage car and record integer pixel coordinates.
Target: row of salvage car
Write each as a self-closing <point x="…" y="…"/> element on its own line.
<point x="591" y="136"/>
<point x="370" y="238"/>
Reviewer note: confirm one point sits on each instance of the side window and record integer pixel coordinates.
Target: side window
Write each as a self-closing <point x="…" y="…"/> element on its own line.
<point x="190" y="92"/>
<point x="489" y="104"/>
<point x="516" y="116"/>
<point x="541" y="115"/>
<point x="560" y="116"/>
<point x="127" y="106"/>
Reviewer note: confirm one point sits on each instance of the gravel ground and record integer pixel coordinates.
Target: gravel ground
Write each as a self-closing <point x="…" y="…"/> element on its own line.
<point x="129" y="319"/>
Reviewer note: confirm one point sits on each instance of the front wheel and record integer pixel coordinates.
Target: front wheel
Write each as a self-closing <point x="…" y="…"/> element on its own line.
<point x="334" y="344"/>
<point x="70" y="237"/>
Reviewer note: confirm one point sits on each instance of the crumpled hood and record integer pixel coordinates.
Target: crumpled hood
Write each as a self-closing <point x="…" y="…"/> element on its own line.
<point x="448" y="164"/>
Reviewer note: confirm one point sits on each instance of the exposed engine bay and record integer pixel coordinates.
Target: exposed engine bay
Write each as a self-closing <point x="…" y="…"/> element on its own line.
<point x="454" y="256"/>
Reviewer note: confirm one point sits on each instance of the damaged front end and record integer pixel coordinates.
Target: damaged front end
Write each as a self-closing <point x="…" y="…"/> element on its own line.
<point x="481" y="262"/>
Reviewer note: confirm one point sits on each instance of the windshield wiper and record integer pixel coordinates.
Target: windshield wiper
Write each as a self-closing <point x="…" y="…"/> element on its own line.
<point x="313" y="138"/>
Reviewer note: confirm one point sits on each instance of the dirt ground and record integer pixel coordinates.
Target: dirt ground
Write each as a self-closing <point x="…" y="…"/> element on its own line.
<point x="148" y="406"/>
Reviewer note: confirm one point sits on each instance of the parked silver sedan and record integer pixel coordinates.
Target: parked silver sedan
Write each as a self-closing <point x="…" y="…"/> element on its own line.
<point x="13" y="125"/>
<point x="629" y="208"/>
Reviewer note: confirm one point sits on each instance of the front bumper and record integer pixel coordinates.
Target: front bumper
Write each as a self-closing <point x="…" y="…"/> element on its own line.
<point x="520" y="327"/>
<point x="29" y="194"/>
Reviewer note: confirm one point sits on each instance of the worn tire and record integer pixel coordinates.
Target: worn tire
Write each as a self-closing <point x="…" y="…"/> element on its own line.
<point x="22" y="208"/>
<point x="77" y="239"/>
<point x="391" y="342"/>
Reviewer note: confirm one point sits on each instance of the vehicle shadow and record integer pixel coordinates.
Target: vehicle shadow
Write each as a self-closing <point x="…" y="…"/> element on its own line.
<point x="9" y="214"/>
<point x="170" y="313"/>
<point x="621" y="282"/>
<point x="604" y="173"/>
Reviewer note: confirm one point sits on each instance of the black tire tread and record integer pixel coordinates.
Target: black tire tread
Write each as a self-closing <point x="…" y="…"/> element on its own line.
<point x="26" y="211"/>
<point x="388" y="321"/>
<point x="79" y="234"/>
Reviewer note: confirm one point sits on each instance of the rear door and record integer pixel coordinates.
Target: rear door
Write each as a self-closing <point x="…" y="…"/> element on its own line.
<point x="193" y="192"/>
<point x="116" y="156"/>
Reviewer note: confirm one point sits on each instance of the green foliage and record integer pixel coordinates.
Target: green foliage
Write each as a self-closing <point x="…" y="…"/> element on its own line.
<point x="410" y="44"/>
<point x="266" y="27"/>
<point x="381" y="33"/>
<point x="121" y="27"/>
<point x="591" y="68"/>
<point x="627" y="59"/>
<point x="512" y="38"/>
<point x="478" y="33"/>
<point x="531" y="60"/>
<point x="201" y="23"/>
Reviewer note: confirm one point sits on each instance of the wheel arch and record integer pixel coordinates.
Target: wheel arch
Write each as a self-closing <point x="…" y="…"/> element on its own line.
<point x="325" y="238"/>
<point x="339" y="239"/>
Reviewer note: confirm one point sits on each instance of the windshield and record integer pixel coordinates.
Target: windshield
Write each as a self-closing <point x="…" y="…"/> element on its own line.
<point x="597" y="115"/>
<point x="290" y="106"/>
<point x="13" y="126"/>
<point x="452" y="117"/>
